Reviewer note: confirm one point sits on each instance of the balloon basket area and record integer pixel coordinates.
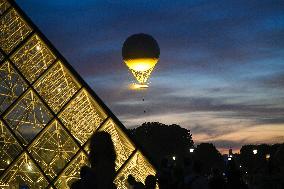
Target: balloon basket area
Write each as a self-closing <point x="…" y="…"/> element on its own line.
<point x="136" y="86"/>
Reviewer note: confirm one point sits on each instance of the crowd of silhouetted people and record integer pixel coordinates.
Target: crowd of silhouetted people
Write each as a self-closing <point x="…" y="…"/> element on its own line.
<point x="101" y="174"/>
<point x="191" y="176"/>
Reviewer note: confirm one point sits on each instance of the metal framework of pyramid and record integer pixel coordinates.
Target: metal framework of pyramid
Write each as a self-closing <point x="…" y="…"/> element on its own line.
<point x="48" y="113"/>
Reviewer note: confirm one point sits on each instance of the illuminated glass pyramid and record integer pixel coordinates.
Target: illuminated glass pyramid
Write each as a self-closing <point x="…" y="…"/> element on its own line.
<point x="48" y="113"/>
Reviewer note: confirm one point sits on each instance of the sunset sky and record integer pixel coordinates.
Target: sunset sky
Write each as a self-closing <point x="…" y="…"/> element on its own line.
<point x="221" y="68"/>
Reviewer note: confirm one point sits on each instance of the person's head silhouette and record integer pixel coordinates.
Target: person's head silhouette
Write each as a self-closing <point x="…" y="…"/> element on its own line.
<point x="102" y="159"/>
<point x="150" y="182"/>
<point x="101" y="148"/>
<point x="131" y="180"/>
<point x="197" y="167"/>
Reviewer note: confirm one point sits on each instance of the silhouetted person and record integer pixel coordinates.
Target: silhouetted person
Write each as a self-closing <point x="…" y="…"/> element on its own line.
<point x="234" y="177"/>
<point x="139" y="185"/>
<point x="150" y="182"/>
<point x="216" y="181"/>
<point x="102" y="158"/>
<point x="131" y="182"/>
<point x="187" y="170"/>
<point x="164" y="175"/>
<point x="197" y="180"/>
<point x="177" y="177"/>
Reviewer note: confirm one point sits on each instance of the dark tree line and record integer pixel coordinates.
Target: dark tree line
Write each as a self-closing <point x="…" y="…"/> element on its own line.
<point x="263" y="169"/>
<point x="160" y="140"/>
<point x="209" y="156"/>
<point x="269" y="158"/>
<point x="165" y="141"/>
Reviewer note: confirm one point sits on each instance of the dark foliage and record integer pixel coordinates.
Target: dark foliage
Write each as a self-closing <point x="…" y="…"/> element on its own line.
<point x="160" y="140"/>
<point x="256" y="163"/>
<point x="209" y="156"/>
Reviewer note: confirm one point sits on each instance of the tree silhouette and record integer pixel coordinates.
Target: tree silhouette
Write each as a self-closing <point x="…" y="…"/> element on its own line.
<point x="161" y="140"/>
<point x="256" y="163"/>
<point x="209" y="156"/>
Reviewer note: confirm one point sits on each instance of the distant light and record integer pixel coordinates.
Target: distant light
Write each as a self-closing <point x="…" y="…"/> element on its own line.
<point x="267" y="156"/>
<point x="254" y="151"/>
<point x="230" y="155"/>
<point x="229" y="158"/>
<point x="174" y="158"/>
<point x="191" y="150"/>
<point x="240" y="166"/>
<point x="246" y="172"/>
<point x="8" y="161"/>
<point x="224" y="174"/>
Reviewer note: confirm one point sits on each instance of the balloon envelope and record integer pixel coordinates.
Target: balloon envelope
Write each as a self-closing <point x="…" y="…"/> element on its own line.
<point x="141" y="53"/>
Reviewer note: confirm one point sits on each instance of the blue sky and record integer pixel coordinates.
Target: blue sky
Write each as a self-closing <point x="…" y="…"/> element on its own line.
<point x="220" y="73"/>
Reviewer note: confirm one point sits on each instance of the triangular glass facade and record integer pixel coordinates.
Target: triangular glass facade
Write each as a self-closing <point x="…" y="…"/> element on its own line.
<point x="48" y="113"/>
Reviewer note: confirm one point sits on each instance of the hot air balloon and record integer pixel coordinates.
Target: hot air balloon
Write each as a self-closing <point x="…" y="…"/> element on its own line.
<point x="141" y="53"/>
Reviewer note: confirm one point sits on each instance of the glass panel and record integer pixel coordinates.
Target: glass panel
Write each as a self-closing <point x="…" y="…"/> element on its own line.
<point x="72" y="172"/>
<point x="57" y="86"/>
<point x="82" y="116"/>
<point x="13" y="30"/>
<point x="122" y="144"/>
<point x="11" y="86"/>
<point x="28" y="117"/>
<point x="53" y="149"/>
<point x="9" y="147"/>
<point x="138" y="166"/>
<point x="4" y="5"/>
<point x="33" y="58"/>
<point x="23" y="173"/>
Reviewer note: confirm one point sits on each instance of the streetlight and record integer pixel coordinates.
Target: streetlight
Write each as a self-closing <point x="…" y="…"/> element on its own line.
<point x="174" y="158"/>
<point x="254" y="151"/>
<point x="191" y="150"/>
<point x="267" y="156"/>
<point x="229" y="158"/>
